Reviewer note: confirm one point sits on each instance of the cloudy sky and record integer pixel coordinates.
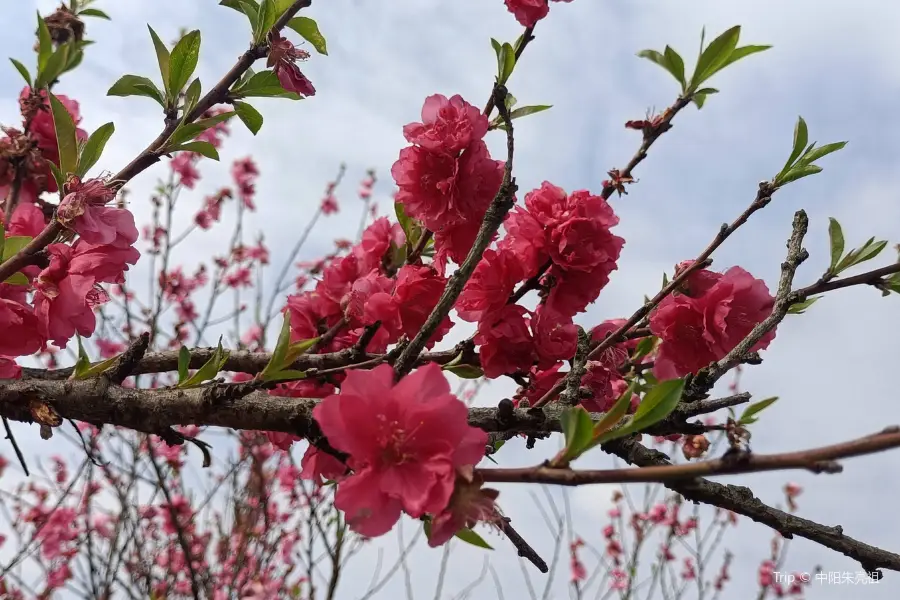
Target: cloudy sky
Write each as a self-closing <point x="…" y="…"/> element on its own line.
<point x="834" y="63"/>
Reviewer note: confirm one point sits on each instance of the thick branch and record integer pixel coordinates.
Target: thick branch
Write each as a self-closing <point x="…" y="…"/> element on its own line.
<point x="240" y="406"/>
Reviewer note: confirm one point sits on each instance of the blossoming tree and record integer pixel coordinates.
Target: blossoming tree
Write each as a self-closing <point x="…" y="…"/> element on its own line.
<point x="354" y="368"/>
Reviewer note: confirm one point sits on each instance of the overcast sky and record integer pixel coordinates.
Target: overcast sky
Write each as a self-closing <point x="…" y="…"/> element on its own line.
<point x="834" y="63"/>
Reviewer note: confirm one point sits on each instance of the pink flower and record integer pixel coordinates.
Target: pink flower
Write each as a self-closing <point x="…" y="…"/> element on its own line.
<point x="27" y="220"/>
<point x="453" y="242"/>
<point x="469" y="504"/>
<point x="359" y="308"/>
<point x="405" y="443"/>
<point x="694" y="446"/>
<point x="43" y="129"/>
<point x="573" y="291"/>
<point x="20" y="327"/>
<point x="582" y="241"/>
<point x="447" y="125"/>
<point x="109" y="348"/>
<point x="282" y="441"/>
<point x="528" y="12"/>
<point x="442" y="189"/>
<point x="696" y="331"/>
<point x="555" y="336"/>
<point x="540" y="382"/>
<point x="283" y="56"/>
<point x="329" y="205"/>
<point x="490" y="286"/>
<point x="183" y="166"/>
<point x="526" y="238"/>
<point x="547" y="204"/>
<point x="83" y="210"/>
<point x="506" y="345"/>
<point x="8" y="370"/>
<point x="320" y="466"/>
<point x="376" y="241"/>
<point x="66" y="292"/>
<point x="244" y="172"/>
<point x="416" y="294"/>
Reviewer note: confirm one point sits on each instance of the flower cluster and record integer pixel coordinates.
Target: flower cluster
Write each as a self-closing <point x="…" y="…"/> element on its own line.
<point x="356" y="291"/>
<point x="563" y="240"/>
<point x="708" y="318"/>
<point x="447" y="178"/>
<point x="54" y="299"/>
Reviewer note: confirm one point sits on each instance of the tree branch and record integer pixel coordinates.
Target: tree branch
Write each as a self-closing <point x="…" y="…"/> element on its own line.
<point x="817" y="460"/>
<point x="740" y="500"/>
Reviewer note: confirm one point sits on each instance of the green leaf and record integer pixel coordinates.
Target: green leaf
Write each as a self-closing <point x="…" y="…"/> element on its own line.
<point x="465" y="371"/>
<point x="184" y="59"/>
<point x="191" y="130"/>
<point x="134" y="85"/>
<point x="277" y="360"/>
<point x="715" y="55"/>
<point x="654" y="56"/>
<point x="45" y="45"/>
<point x="164" y="59"/>
<point x="615" y="414"/>
<point x="13" y="244"/>
<point x="65" y="136"/>
<point x="83" y="363"/>
<point x="298" y="348"/>
<point x="191" y="97"/>
<point x="658" y="403"/>
<point x="798" y="308"/>
<point x="17" y="279"/>
<point x="699" y="97"/>
<point x="412" y="229"/>
<point x="249" y="115"/>
<point x="801" y="136"/>
<point x="23" y="71"/>
<point x="811" y="155"/>
<point x="57" y="176"/>
<point x="263" y="84"/>
<point x="869" y="251"/>
<point x="578" y="430"/>
<point x="644" y="347"/>
<point x="798" y="173"/>
<point x="497" y="46"/>
<point x="836" y="237"/>
<point x="506" y="62"/>
<point x="264" y="21"/>
<point x="309" y="31"/>
<point x="675" y="65"/>
<point x="748" y="416"/>
<point x="283" y="375"/>
<point x="198" y="146"/>
<point x="184" y="361"/>
<point x="93" y="148"/>
<point x="56" y="65"/>
<point x="742" y="52"/>
<point x="94" y="12"/>
<point x="99" y="368"/>
<point x="250" y="8"/>
<point x="529" y="110"/>
<point x="209" y="369"/>
<point x="470" y="537"/>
